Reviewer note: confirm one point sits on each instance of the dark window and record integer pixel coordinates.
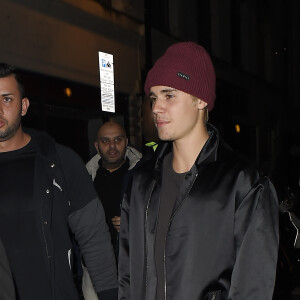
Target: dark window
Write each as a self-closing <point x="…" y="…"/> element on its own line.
<point x="160" y="15"/>
<point x="64" y="117"/>
<point x="104" y="2"/>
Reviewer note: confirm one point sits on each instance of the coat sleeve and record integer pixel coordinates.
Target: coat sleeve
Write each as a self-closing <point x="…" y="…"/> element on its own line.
<point x="124" y="264"/>
<point x="86" y="220"/>
<point x="7" y="290"/>
<point x="90" y="229"/>
<point x="256" y="239"/>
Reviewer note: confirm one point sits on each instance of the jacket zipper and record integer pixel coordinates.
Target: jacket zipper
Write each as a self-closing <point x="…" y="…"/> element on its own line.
<point x="43" y="228"/>
<point x="171" y="219"/>
<point x="214" y="295"/>
<point x="44" y="236"/>
<point x="146" y="245"/>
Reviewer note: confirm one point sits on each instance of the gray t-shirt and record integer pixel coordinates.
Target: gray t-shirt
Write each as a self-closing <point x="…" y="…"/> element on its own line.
<point x="171" y="182"/>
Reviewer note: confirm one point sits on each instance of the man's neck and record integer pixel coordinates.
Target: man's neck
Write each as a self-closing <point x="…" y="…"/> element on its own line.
<point x="113" y="167"/>
<point x="187" y="150"/>
<point x="18" y="141"/>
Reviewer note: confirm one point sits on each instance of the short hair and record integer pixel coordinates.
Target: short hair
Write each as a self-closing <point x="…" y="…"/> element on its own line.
<point x="9" y="70"/>
<point x="206" y="117"/>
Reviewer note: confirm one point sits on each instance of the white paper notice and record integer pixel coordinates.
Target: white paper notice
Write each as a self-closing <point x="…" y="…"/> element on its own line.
<point x="106" y="68"/>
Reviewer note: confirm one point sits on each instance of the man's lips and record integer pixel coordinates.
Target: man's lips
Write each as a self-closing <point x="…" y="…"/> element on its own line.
<point x="161" y="123"/>
<point x="112" y="153"/>
<point x="2" y="123"/>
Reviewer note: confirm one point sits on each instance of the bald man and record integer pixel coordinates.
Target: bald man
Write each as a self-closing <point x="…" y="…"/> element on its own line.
<point x="111" y="169"/>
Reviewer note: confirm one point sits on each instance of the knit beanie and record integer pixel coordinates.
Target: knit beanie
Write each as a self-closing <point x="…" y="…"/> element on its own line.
<point x="185" y="66"/>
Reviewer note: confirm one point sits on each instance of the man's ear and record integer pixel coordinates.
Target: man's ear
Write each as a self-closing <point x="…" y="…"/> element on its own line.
<point x="201" y="104"/>
<point x="126" y="142"/>
<point x="96" y="146"/>
<point x="25" y="105"/>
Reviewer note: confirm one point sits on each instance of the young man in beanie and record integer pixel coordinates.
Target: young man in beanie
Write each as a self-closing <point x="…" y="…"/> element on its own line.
<point x="198" y="222"/>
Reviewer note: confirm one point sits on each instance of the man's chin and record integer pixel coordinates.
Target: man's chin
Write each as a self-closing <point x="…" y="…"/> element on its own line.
<point x="5" y="136"/>
<point x="165" y="138"/>
<point x="113" y="159"/>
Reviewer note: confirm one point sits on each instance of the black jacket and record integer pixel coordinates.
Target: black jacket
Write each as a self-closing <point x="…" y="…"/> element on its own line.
<point x="222" y="240"/>
<point x="60" y="178"/>
<point x="7" y="289"/>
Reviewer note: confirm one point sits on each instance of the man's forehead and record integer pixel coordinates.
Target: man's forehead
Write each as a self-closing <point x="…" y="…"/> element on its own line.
<point x="111" y="131"/>
<point x="8" y="83"/>
<point x="112" y="136"/>
<point x="161" y="90"/>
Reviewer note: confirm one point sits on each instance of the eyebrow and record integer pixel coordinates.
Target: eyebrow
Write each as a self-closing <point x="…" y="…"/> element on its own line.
<point x="163" y="91"/>
<point x="112" y="137"/>
<point x="7" y="94"/>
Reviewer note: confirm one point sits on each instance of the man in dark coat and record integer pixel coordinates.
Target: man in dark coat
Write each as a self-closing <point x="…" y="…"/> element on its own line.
<point x="46" y="192"/>
<point x="111" y="169"/>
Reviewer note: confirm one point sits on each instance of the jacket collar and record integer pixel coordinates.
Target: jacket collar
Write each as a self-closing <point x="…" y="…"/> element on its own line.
<point x="131" y="153"/>
<point x="208" y="154"/>
<point x="44" y="144"/>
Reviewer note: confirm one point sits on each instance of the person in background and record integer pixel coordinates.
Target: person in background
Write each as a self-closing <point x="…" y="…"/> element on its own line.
<point x="111" y="169"/>
<point x="198" y="222"/>
<point x="46" y="193"/>
<point x="7" y="289"/>
<point x="148" y="129"/>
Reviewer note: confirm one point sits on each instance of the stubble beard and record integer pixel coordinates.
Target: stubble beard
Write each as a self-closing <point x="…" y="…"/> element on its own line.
<point x="10" y="130"/>
<point x="165" y="136"/>
<point x="113" y="163"/>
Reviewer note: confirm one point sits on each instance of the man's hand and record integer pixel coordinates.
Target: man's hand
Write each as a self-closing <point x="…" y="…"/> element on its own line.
<point x="116" y="222"/>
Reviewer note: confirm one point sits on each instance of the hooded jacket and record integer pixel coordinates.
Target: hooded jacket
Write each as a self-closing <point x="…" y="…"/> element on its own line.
<point x="68" y="202"/>
<point x="92" y="166"/>
<point x="132" y="154"/>
<point x="222" y="238"/>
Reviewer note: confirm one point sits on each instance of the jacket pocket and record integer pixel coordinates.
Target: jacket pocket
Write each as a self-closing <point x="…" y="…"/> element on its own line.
<point x="213" y="295"/>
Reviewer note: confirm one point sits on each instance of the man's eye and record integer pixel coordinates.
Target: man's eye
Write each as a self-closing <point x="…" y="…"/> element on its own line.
<point x="7" y="99"/>
<point x="104" y="141"/>
<point x="152" y="101"/>
<point x="169" y="96"/>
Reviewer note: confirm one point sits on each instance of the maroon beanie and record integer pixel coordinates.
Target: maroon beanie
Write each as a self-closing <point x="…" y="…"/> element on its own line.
<point x="187" y="67"/>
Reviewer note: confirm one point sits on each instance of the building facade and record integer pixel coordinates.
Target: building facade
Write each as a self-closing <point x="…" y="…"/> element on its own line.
<point x="254" y="45"/>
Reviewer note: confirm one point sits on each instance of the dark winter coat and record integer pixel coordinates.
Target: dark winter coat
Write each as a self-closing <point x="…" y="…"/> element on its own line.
<point x="56" y="186"/>
<point x="222" y="239"/>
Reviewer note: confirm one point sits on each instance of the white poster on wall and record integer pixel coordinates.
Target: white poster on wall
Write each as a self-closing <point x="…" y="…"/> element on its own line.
<point x="106" y="68"/>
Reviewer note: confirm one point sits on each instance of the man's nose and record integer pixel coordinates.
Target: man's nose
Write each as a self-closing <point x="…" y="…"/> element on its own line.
<point x="157" y="106"/>
<point x="112" y="144"/>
